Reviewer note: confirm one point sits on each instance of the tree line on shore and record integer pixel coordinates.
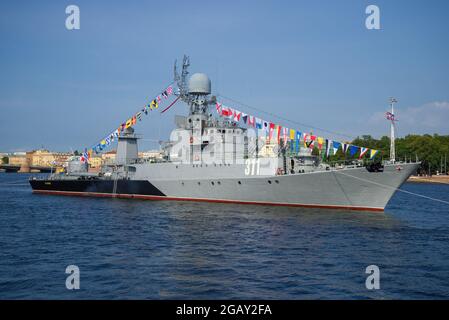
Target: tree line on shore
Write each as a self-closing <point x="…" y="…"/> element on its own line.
<point x="431" y="150"/>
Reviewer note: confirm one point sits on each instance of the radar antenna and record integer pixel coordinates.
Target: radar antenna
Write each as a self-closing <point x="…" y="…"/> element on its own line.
<point x="196" y="100"/>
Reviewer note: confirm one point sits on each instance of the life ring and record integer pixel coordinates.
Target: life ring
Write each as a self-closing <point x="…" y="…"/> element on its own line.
<point x="279" y="172"/>
<point x="191" y="140"/>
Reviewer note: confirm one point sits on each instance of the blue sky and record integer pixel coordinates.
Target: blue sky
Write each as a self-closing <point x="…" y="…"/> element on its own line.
<point x="311" y="61"/>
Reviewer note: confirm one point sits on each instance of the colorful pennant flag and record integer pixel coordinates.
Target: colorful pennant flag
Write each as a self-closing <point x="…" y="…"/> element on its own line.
<point x="266" y="126"/>
<point x="251" y="121"/>
<point x="309" y="140"/>
<point x="237" y="115"/>
<point x="297" y="140"/>
<point x="336" y="145"/>
<point x="363" y="151"/>
<point x="285" y="135"/>
<point x="353" y="150"/>
<point x="292" y="134"/>
<point x="328" y="147"/>
<point x="154" y="104"/>
<point x="272" y="125"/>
<point x="225" y="111"/>
<point x="320" y="141"/>
<point x="278" y="129"/>
<point x="218" y="108"/>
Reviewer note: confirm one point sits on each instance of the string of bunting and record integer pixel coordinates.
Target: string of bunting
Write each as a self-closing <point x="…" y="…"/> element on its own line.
<point x="109" y="139"/>
<point x="278" y="132"/>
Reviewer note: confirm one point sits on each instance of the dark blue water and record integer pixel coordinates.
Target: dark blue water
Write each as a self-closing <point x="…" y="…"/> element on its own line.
<point x="175" y="250"/>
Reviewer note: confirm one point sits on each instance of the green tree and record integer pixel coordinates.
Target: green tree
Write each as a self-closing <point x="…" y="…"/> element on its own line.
<point x="429" y="149"/>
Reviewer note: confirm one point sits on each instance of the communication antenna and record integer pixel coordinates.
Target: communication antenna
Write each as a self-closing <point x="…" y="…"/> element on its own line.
<point x="390" y="116"/>
<point x="181" y="80"/>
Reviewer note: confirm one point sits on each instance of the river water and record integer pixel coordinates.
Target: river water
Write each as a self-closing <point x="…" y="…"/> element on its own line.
<point x="137" y="249"/>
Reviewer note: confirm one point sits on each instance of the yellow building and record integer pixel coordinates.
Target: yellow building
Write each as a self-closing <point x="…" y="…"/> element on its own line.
<point x="109" y="157"/>
<point x="40" y="158"/>
<point x="17" y="160"/>
<point x="61" y="159"/>
<point x="95" y="162"/>
<point x="45" y="158"/>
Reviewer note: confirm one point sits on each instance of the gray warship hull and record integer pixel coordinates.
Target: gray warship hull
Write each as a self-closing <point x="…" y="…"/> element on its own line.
<point x="348" y="188"/>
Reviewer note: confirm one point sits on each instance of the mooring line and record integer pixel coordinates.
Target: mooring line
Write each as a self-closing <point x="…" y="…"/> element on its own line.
<point x="396" y="189"/>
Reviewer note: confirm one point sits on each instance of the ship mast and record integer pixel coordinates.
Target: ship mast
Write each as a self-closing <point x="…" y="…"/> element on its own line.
<point x="194" y="98"/>
<point x="181" y="80"/>
<point x="195" y="92"/>
<point x="391" y="117"/>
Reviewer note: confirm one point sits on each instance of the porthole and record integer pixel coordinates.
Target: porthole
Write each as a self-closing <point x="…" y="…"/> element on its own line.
<point x="277" y="181"/>
<point x="212" y="183"/>
<point x="240" y="182"/>
<point x="269" y="181"/>
<point x="219" y="182"/>
<point x="199" y="183"/>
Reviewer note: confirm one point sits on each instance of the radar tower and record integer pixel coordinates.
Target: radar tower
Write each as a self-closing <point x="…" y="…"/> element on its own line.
<point x="195" y="91"/>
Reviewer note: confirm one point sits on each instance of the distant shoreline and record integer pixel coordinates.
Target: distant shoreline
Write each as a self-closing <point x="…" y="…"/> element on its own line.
<point x="431" y="179"/>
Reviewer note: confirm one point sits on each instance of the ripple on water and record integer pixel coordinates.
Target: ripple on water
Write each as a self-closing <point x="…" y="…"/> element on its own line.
<point x="176" y="250"/>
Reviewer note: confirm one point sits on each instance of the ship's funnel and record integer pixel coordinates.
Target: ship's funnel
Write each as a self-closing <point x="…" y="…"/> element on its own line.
<point x="127" y="147"/>
<point x="199" y="83"/>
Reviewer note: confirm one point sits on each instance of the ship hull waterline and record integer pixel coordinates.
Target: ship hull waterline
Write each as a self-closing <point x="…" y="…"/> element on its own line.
<point x="353" y="189"/>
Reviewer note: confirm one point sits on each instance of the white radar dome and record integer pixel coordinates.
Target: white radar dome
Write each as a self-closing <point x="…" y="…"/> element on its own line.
<point x="199" y="83"/>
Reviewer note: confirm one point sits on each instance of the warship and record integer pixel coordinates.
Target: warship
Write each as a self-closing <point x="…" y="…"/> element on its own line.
<point x="215" y="159"/>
